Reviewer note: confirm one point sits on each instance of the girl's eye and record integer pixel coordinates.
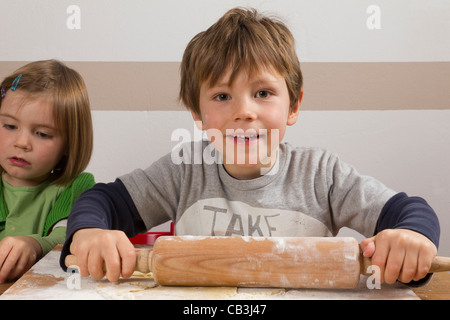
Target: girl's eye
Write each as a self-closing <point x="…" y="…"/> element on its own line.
<point x="9" y="126"/>
<point x="262" y="94"/>
<point x="43" y="135"/>
<point x="222" y="97"/>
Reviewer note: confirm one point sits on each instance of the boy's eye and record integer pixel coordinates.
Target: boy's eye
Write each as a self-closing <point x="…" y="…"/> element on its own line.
<point x="262" y="94"/>
<point x="222" y="97"/>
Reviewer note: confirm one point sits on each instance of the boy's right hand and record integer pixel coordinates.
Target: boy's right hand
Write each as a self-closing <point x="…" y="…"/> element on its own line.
<point x="103" y="252"/>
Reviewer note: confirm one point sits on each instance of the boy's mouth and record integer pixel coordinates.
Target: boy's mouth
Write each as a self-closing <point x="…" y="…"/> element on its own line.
<point x="244" y="138"/>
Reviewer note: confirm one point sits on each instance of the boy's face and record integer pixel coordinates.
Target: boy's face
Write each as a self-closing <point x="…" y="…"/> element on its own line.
<point x="30" y="144"/>
<point x="247" y="120"/>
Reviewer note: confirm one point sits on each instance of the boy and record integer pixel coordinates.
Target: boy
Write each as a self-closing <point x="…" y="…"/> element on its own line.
<point x="242" y="82"/>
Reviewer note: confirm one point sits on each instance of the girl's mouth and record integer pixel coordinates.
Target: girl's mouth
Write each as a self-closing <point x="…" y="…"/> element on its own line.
<point x="19" y="162"/>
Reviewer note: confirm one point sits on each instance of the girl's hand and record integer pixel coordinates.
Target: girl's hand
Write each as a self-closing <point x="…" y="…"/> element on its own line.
<point x="17" y="255"/>
<point x="103" y="252"/>
<point x="401" y="254"/>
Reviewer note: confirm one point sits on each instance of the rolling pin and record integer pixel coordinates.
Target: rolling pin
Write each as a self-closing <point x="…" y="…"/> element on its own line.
<point x="282" y="262"/>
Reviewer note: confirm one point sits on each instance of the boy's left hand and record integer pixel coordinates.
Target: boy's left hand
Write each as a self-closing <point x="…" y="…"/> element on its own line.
<point x="401" y="254"/>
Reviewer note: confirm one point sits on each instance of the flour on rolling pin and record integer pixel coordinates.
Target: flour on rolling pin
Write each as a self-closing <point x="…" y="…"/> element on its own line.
<point x="257" y="262"/>
<point x="311" y="262"/>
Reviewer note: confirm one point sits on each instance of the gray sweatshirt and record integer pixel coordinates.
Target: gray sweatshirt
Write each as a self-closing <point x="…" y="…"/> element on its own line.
<point x="309" y="192"/>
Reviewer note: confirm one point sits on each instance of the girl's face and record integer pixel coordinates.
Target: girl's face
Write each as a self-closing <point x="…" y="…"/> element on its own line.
<point x="30" y="144"/>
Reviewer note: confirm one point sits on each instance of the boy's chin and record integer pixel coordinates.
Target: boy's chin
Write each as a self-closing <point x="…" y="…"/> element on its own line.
<point x="247" y="168"/>
<point x="246" y="162"/>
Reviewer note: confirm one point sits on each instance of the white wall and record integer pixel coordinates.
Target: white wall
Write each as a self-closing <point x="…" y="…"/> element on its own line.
<point x="407" y="150"/>
<point x="156" y="30"/>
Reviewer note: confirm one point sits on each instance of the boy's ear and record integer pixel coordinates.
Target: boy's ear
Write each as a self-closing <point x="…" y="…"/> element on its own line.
<point x="293" y="114"/>
<point x="198" y="120"/>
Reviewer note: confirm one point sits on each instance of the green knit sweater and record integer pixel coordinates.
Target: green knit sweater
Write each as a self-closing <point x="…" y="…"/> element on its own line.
<point x="34" y="211"/>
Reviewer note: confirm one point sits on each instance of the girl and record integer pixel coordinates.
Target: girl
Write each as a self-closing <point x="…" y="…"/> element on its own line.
<point x="46" y="141"/>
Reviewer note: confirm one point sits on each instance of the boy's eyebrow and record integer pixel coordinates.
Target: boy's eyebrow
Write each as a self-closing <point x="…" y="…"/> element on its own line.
<point x="223" y="84"/>
<point x="256" y="80"/>
<point x="264" y="81"/>
<point x="40" y="125"/>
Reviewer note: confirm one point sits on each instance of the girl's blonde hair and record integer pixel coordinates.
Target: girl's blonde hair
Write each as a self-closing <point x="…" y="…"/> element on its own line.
<point x="66" y="90"/>
<point x="240" y="40"/>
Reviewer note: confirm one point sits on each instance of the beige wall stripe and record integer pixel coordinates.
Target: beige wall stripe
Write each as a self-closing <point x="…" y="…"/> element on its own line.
<point x="328" y="86"/>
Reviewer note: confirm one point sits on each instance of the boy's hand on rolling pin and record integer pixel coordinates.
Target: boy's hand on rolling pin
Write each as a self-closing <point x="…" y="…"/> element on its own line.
<point x="400" y="254"/>
<point x="103" y="252"/>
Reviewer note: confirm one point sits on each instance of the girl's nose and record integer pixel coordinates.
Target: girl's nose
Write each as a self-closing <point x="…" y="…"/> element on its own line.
<point x="23" y="141"/>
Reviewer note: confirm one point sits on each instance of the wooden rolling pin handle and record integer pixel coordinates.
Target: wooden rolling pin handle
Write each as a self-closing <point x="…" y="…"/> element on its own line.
<point x="439" y="264"/>
<point x="143" y="261"/>
<point x="71" y="260"/>
<point x="365" y="263"/>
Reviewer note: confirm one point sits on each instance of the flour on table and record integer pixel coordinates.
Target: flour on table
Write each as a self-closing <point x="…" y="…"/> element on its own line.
<point x="135" y="289"/>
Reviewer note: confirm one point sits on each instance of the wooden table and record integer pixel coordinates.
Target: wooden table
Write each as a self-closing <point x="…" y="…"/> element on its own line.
<point x="46" y="280"/>
<point x="437" y="289"/>
<point x="5" y="286"/>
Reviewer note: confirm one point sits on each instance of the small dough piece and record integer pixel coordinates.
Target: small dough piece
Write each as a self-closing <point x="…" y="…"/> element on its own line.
<point x="138" y="274"/>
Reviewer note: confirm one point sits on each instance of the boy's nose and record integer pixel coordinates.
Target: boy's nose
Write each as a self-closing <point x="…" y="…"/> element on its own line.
<point x="244" y="111"/>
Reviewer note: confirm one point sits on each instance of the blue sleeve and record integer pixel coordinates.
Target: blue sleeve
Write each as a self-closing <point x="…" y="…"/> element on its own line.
<point x="413" y="213"/>
<point x="105" y="206"/>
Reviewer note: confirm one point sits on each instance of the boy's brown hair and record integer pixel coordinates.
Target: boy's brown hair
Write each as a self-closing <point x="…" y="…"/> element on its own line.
<point x="241" y="40"/>
<point x="66" y="90"/>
